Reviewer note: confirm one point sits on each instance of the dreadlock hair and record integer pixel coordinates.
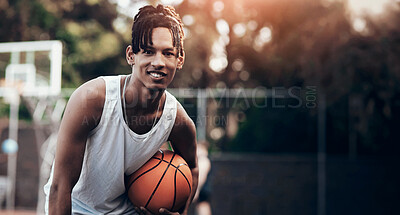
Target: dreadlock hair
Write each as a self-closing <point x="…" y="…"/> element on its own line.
<point x="149" y="18"/>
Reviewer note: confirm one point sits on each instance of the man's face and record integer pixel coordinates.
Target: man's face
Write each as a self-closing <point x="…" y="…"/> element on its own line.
<point x="156" y="65"/>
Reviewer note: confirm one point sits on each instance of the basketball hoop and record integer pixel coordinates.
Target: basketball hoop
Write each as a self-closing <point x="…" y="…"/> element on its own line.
<point x="31" y="72"/>
<point x="19" y="77"/>
<point x="33" y="68"/>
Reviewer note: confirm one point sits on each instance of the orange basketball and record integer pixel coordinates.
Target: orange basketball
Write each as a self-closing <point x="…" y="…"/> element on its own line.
<point x="164" y="181"/>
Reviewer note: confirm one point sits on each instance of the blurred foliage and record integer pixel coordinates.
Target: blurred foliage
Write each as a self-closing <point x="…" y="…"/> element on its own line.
<point x="23" y="113"/>
<point x="276" y="129"/>
<point x="317" y="46"/>
<point x="312" y="46"/>
<point x="311" y="43"/>
<point x="91" y="46"/>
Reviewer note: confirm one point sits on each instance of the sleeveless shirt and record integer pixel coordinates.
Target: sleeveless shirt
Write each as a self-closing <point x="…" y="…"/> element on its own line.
<point x="112" y="151"/>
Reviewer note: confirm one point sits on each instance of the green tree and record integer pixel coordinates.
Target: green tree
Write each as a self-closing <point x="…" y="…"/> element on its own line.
<point x="85" y="27"/>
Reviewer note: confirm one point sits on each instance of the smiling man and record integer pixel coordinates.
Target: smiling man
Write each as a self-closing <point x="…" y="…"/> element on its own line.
<point x="113" y="125"/>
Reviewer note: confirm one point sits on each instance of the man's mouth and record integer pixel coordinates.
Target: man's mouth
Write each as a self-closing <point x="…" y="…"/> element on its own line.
<point x="156" y="74"/>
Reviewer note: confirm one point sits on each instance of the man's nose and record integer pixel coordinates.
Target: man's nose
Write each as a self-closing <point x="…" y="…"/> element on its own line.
<point x="158" y="60"/>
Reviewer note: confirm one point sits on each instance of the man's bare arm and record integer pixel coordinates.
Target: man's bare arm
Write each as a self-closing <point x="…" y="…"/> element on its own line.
<point x="183" y="140"/>
<point x="81" y="115"/>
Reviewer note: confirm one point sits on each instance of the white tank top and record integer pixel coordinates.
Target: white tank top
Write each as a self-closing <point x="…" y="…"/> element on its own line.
<point x="113" y="150"/>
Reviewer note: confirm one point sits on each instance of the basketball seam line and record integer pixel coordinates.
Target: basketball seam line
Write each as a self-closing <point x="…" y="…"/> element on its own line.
<point x="187" y="180"/>
<point x="173" y="204"/>
<point x="162" y="155"/>
<point x="177" y="167"/>
<point x="159" y="182"/>
<point x="176" y="172"/>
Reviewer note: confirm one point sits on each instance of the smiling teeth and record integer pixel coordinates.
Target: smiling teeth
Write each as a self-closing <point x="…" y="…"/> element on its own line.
<point x="156" y="75"/>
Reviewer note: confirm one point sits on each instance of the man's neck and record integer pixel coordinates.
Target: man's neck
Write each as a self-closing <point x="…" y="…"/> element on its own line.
<point x="150" y="98"/>
<point x="142" y="98"/>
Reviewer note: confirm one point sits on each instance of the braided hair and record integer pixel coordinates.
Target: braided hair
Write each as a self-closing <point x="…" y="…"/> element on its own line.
<point x="150" y="17"/>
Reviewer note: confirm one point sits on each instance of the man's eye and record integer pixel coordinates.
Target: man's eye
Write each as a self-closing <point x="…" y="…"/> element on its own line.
<point x="147" y="52"/>
<point x="170" y="54"/>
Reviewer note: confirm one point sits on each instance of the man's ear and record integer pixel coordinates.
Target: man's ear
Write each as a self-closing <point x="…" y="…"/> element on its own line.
<point x="181" y="60"/>
<point x="130" y="56"/>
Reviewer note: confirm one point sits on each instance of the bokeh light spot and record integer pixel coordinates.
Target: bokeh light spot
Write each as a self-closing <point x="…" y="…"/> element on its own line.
<point x="222" y="27"/>
<point x="239" y="29"/>
<point x="218" y="6"/>
<point x="188" y="20"/>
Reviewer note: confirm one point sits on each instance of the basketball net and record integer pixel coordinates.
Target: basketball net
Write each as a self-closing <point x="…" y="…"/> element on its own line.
<point x="17" y="85"/>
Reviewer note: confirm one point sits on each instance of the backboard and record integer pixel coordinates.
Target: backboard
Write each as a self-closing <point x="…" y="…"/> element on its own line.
<point x="34" y="68"/>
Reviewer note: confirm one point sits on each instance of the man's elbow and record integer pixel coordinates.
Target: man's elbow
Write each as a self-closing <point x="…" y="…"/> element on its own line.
<point x="59" y="192"/>
<point x="53" y="190"/>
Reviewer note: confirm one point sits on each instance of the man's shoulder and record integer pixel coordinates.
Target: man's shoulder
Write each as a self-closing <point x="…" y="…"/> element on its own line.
<point x="93" y="91"/>
<point x="84" y="108"/>
<point x="89" y="98"/>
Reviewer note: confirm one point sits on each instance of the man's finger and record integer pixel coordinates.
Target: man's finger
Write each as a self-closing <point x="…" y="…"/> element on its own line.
<point x="166" y="212"/>
<point x="145" y="211"/>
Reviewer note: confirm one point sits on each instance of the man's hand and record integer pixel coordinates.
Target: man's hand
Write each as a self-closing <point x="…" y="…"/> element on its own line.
<point x="166" y="212"/>
<point x="142" y="211"/>
<point x="163" y="211"/>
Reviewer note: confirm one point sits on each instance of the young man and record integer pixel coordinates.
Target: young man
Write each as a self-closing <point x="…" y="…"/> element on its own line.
<point x="113" y="125"/>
